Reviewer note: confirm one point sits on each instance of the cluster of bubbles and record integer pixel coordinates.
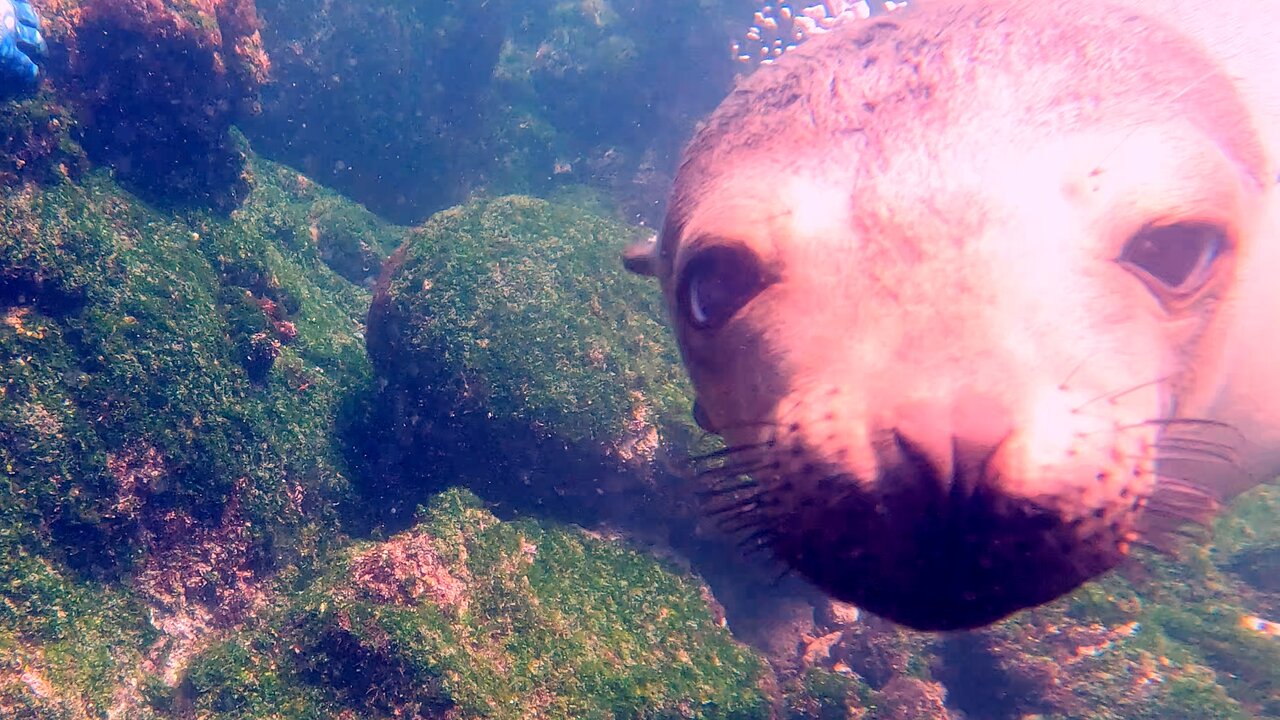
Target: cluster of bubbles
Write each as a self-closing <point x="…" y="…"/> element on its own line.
<point x="782" y="25"/>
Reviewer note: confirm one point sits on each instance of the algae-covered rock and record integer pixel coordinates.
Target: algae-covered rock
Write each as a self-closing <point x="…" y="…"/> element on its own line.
<point x="153" y="481"/>
<point x="39" y="141"/>
<point x="172" y="469"/>
<point x="156" y="85"/>
<point x="1170" y="639"/>
<point x="464" y="616"/>
<point x="821" y="694"/>
<point x="389" y="104"/>
<point x="507" y="332"/>
<point x="1172" y="647"/>
<point x="409" y="107"/>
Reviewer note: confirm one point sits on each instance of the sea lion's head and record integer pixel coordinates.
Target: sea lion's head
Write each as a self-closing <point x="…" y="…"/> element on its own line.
<point x="952" y="286"/>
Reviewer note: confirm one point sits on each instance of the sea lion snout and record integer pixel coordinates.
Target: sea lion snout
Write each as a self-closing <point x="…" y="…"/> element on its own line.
<point x="941" y="513"/>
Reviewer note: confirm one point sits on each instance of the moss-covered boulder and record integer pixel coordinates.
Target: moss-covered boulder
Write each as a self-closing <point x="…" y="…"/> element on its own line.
<point x="464" y="616"/>
<point x="154" y="87"/>
<point x="515" y="348"/>
<point x="156" y="481"/>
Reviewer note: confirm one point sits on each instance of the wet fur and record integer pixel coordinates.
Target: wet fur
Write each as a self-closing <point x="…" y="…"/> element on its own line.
<point x="948" y="404"/>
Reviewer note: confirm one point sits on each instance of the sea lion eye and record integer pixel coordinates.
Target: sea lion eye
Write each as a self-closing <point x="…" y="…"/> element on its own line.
<point x="716" y="284"/>
<point x="1178" y="257"/>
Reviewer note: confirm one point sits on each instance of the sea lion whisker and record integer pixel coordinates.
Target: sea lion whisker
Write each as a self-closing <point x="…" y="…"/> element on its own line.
<point x="1116" y="395"/>
<point x="742" y="523"/>
<point x="729" y="472"/>
<point x="730" y="451"/>
<point x="1183" y="502"/>
<point x="716" y="492"/>
<point x="1168" y="483"/>
<point x="748" y="425"/>
<point x="744" y="519"/>
<point x="786" y="572"/>
<point x="1165" y="522"/>
<point x="1167" y="540"/>
<point x="1188" y="423"/>
<point x="1195" y="442"/>
<point x="1183" y="508"/>
<point x="1196" y="451"/>
<point x="726" y="485"/>
<point x="1159" y="522"/>
<point x="1065" y="384"/>
<point x="735" y="507"/>
<point x="748" y="502"/>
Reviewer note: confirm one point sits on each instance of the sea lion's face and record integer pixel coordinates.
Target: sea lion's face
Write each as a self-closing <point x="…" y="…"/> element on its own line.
<point x="949" y="340"/>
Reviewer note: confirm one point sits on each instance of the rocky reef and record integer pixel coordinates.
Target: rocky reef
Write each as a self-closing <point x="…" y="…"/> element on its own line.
<point x="250" y="468"/>
<point x="414" y="107"/>
<point x="464" y="616"/>
<point x="151" y="88"/>
<point x="177" y="501"/>
<point x="151" y="483"/>
<point x="509" y="337"/>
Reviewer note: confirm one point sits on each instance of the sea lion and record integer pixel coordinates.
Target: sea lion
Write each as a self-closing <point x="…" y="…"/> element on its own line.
<point x="981" y="295"/>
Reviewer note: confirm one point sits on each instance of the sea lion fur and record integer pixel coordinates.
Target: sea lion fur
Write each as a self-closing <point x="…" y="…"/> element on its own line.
<point x="982" y="294"/>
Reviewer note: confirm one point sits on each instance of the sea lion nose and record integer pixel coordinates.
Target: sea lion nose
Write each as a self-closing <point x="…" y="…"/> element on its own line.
<point x="951" y="441"/>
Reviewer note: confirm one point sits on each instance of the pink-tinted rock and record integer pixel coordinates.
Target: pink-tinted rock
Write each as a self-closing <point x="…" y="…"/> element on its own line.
<point x="156" y="86"/>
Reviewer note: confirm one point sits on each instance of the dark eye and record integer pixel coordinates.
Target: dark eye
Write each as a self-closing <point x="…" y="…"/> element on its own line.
<point x="1178" y="257"/>
<point x="717" y="283"/>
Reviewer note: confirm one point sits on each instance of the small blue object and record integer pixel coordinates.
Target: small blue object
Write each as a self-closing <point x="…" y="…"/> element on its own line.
<point x="20" y="43"/>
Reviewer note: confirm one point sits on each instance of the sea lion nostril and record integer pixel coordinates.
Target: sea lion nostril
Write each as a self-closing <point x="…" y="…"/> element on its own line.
<point x="953" y="442"/>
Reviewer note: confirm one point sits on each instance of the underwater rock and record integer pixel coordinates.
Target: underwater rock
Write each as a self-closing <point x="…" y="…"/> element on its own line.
<point x="1149" y="655"/>
<point x="156" y="86"/>
<point x="516" y="355"/>
<point x="907" y="698"/>
<point x="464" y="616"/>
<point x="388" y="104"/>
<point x="150" y="488"/>
<point x="39" y="141"/>
<point x="514" y="348"/>
<point x="414" y="107"/>
<point x="612" y="81"/>
<point x="1247" y="543"/>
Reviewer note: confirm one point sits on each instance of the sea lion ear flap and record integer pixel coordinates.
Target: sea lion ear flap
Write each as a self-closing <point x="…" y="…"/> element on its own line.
<point x="641" y="256"/>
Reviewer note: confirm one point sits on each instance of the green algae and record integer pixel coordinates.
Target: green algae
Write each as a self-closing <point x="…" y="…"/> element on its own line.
<point x="529" y="298"/>
<point x="249" y="676"/>
<point x="547" y="620"/>
<point x="122" y="342"/>
<point x="826" y="695"/>
<point x="127" y="415"/>
<point x="79" y="639"/>
<point x="137" y="421"/>
<point x="39" y="140"/>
